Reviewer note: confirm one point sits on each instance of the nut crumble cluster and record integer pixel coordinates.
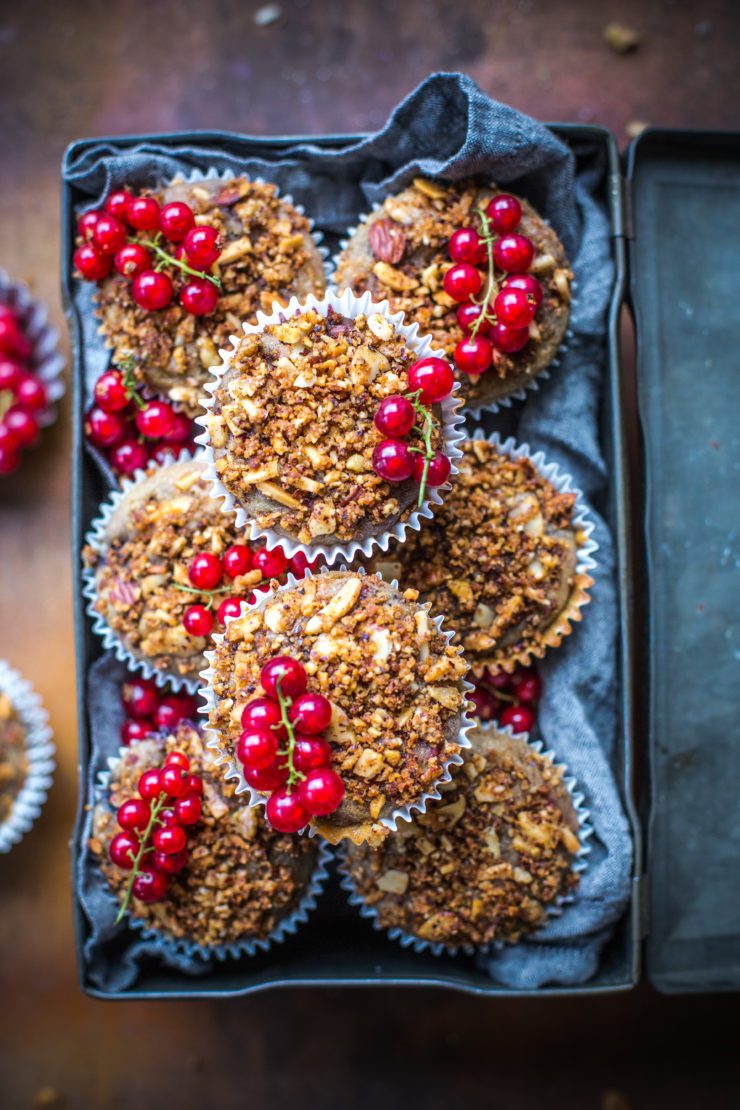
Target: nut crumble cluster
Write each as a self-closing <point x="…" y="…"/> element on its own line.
<point x="485" y="862"/>
<point x="242" y="878"/>
<point x="393" y="683"/>
<point x="13" y="757"/>
<point x="293" y="429"/>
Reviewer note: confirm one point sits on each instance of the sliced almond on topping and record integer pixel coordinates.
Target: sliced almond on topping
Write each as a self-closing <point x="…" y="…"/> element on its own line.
<point x="187" y="480"/>
<point x="254" y="477"/>
<point x="277" y="493"/>
<point x="429" y="188"/>
<point x="308" y="484"/>
<point x="542" y="264"/>
<point x="392" y="881"/>
<point x="278" y="617"/>
<point x="562" y="284"/>
<point x="394" y="279"/>
<point x="380" y="325"/>
<point x="535" y="526"/>
<point x="235" y="249"/>
<point x="570" y="840"/>
<point x="338" y="606"/>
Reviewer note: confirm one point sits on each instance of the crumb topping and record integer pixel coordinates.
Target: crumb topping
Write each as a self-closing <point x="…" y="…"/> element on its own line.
<point x="393" y="682"/>
<point x="293" y="426"/>
<point x="242" y="877"/>
<point x="13" y="756"/>
<point x="486" y="861"/>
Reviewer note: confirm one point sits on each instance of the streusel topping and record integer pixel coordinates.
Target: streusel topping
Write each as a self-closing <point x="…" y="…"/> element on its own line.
<point x="13" y="757"/>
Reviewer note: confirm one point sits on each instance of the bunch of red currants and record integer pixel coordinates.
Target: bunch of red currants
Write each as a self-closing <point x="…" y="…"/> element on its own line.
<point x="508" y="699"/>
<point x="149" y="710"/>
<point x="22" y="395"/>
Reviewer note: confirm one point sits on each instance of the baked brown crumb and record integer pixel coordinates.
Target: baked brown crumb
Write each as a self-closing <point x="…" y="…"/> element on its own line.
<point x="484" y="862"/>
<point x="393" y="682"/>
<point x="499" y="558"/>
<point x="13" y="756"/>
<point x="242" y="878"/>
<point x="268" y="256"/>
<point x="293" y="430"/>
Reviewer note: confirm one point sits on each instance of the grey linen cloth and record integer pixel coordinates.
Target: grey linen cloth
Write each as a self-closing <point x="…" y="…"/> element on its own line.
<point x="448" y="128"/>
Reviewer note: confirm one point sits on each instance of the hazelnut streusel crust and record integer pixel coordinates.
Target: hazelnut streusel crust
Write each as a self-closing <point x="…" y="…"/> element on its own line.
<point x="485" y="862"/>
<point x="13" y="757"/>
<point x="394" y="684"/>
<point x="242" y="877"/>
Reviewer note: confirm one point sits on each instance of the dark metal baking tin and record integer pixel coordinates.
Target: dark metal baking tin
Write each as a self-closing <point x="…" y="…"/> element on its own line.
<point x="336" y="946"/>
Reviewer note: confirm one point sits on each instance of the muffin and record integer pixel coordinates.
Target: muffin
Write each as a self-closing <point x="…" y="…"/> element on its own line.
<point x="13" y="756"/>
<point x="292" y="432"/>
<point x="400" y="252"/>
<point x="243" y="885"/>
<point x="486" y="863"/>
<point x="26" y="756"/>
<point x="504" y="559"/>
<point x="394" y="685"/>
<point x="268" y="256"/>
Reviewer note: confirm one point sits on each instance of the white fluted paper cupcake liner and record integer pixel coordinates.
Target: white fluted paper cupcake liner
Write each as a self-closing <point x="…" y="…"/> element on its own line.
<point x="233" y="770"/>
<point x="39" y="752"/>
<point x="452" y="419"/>
<point x="47" y="361"/>
<point x="554" y="909"/>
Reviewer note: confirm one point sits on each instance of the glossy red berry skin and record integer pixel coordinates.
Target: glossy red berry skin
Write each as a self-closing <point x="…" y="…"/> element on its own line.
<point x="392" y="461"/>
<point x="509" y="340"/>
<point x="321" y="792"/>
<point x="154" y="420"/>
<point x="438" y="470"/>
<point x="462" y="282"/>
<point x="205" y="571"/>
<point x="466" y="245"/>
<point x="176" y="220"/>
<point x="91" y="263"/>
<point x="22" y="425"/>
<point x="117" y="203"/>
<point x="188" y="809"/>
<point x="195" y="786"/>
<point x="10" y="460"/>
<point x="109" y="234"/>
<point x="86" y="224"/>
<point x="505" y="213"/>
<point x="261" y="713"/>
<point x="124" y="848"/>
<point x="178" y="759"/>
<point x="473" y="355"/>
<point x="395" y="416"/>
<point x="104" y="429"/>
<point x="110" y="391"/>
<point x="257" y="748"/>
<point x="143" y="213"/>
<point x="171" y="710"/>
<point x="513" y="253"/>
<point x="128" y="457"/>
<point x="299" y="564"/>
<point x="520" y="717"/>
<point x="170" y="864"/>
<point x="229" y="609"/>
<point x="132" y="259"/>
<point x="198" y="621"/>
<point x="131" y="731"/>
<point x="527" y="686"/>
<point x="202" y="247"/>
<point x="499" y="680"/>
<point x="199" y="296"/>
<point x="134" y="814"/>
<point x="270" y="564"/>
<point x="434" y="377"/>
<point x="528" y="284"/>
<point x="180" y="429"/>
<point x="268" y="778"/>
<point x="152" y="291"/>
<point x="285" y="812"/>
<point x="513" y="308"/>
<point x="170" y="839"/>
<point x="174" y="781"/>
<point x="310" y="713"/>
<point x="139" y="697"/>
<point x="486" y="706"/>
<point x="151" y="885"/>
<point x="150" y="784"/>
<point x="467" y="314"/>
<point x="311" y="752"/>
<point x="11" y="374"/>
<point x="31" y="394"/>
<point x="237" y="560"/>
<point x="286" y="673"/>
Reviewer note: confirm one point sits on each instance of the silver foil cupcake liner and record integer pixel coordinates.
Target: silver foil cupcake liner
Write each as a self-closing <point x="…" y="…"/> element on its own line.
<point x="452" y="419"/>
<point x="39" y="750"/>
<point x="555" y="909"/>
<point x="47" y="362"/>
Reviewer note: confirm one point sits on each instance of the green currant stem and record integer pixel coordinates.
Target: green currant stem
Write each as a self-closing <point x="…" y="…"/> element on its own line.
<point x="426" y="434"/>
<point x="491" y="285"/>
<point x="294" y="775"/>
<point x="210" y="594"/>
<point x="143" y="849"/>
<point x="167" y="259"/>
<point x="127" y="366"/>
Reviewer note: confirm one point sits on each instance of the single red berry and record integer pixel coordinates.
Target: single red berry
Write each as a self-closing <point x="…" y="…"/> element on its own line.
<point x="155" y="419"/>
<point x="514" y="308"/>
<point x="462" y="282"/>
<point x="132" y="259"/>
<point x="266" y="778"/>
<point x="527" y="686"/>
<point x="466" y="245"/>
<point x="188" y="809"/>
<point x="202" y="247"/>
<point x="520" y="717"/>
<point x="395" y="416"/>
<point x="9" y="459"/>
<point x="263" y="713"/>
<point x="199" y="296"/>
<point x="528" y="284"/>
<point x="91" y="263"/>
<point x="205" y="571"/>
<point x="171" y="710"/>
<point x="433" y="376"/>
<point x="11" y="374"/>
<point x="321" y="791"/>
<point x="117" y="204"/>
<point x="285" y="812"/>
<point x="473" y="355"/>
<point x="257" y="748"/>
<point x="467" y="314"/>
<point x="392" y="461"/>
<point x="104" y="429"/>
<point x="310" y="713"/>
<point x="86" y="224"/>
<point x="123" y="850"/>
<point x="229" y="609"/>
<point x="136" y="730"/>
<point x="299" y="564"/>
<point x="110" y="391"/>
<point x="170" y="839"/>
<point x="513" y="253"/>
<point x="22" y="425"/>
<point x="286" y="673"/>
<point x="178" y="759"/>
<point x="134" y="814"/>
<point x="31" y="394"/>
<point x="174" y="781"/>
<point x="109" y="234"/>
<point x="499" y="680"/>
<point x="180" y="429"/>
<point x="486" y="706"/>
<point x="143" y="213"/>
<point x="311" y="752"/>
<point x="150" y="784"/>
<point x="152" y="290"/>
<point x="139" y="696"/>
<point x="175" y="220"/>
<point x="128" y="457"/>
<point x="509" y="340"/>
<point x="151" y="885"/>
<point x="7" y="439"/>
<point x="170" y="864"/>
<point x="237" y="560"/>
<point x="198" y="621"/>
<point x="270" y="564"/>
<point x="438" y="470"/>
<point x="195" y="786"/>
<point x="505" y="213"/>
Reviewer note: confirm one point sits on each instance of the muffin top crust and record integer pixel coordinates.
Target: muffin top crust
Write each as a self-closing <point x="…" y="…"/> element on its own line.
<point x="394" y="684"/>
<point x="486" y="861"/>
<point x="242" y="878"/>
<point x="292" y="426"/>
<point x="13" y="757"/>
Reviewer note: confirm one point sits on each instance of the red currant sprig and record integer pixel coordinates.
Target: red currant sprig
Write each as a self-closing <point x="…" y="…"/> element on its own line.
<point x="153" y="838"/>
<point x="509" y="699"/>
<point x="148" y="710"/>
<point x="23" y="396"/>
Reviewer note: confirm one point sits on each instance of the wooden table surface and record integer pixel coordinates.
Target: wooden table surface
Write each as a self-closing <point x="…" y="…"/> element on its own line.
<point x="88" y="68"/>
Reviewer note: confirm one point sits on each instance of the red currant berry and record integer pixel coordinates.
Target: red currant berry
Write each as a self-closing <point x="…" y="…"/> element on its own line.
<point x="466" y="245"/>
<point x="170" y="839"/>
<point x="110" y="391"/>
<point x="285" y="674"/>
<point x="513" y="253"/>
<point x="285" y="812"/>
<point x="434" y="377"/>
<point x="311" y="713"/>
<point x="270" y="564"/>
<point x="128" y="457"/>
<point x="528" y="284"/>
<point x="266" y="778"/>
<point x="176" y="220"/>
<point x="395" y="416"/>
<point x="117" y="204"/>
<point x="170" y="864"/>
<point x="31" y="394"/>
<point x="188" y="809"/>
<point x="513" y="308"/>
<point x="139" y="697"/>
<point x="527" y="686"/>
<point x="132" y="259"/>
<point x="134" y="814"/>
<point x="509" y="340"/>
<point x="11" y="374"/>
<point x="299" y="564"/>
<point x="505" y="213"/>
<point x="154" y="420"/>
<point x="462" y="282"/>
<point x="10" y="460"/>
<point x="195" y="786"/>
<point x="438" y="470"/>
<point x="22" y="425"/>
<point x="486" y="706"/>
<point x="257" y="748"/>
<point x="151" y="885"/>
<point x="86" y="224"/>
<point x="170" y="711"/>
<point x="321" y="792"/>
<point x="229" y="609"/>
<point x="202" y="246"/>
<point x="311" y="752"/>
<point x="152" y="290"/>
<point x="467" y="314"/>
<point x="180" y="429"/>
<point x="499" y="680"/>
<point x="136" y="730"/>
<point x="205" y="571"/>
<point x="104" y="429"/>
<point x="198" y="621"/>
<point x="123" y="850"/>
<point x="150" y="784"/>
<point x="199" y="296"/>
<point x="91" y="263"/>
<point x="143" y="213"/>
<point x="263" y="713"/>
<point x="237" y="560"/>
<point x="109" y="234"/>
<point x="392" y="461"/>
<point x="473" y="355"/>
<point x="174" y="781"/>
<point x="178" y="759"/>
<point x="520" y="717"/>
